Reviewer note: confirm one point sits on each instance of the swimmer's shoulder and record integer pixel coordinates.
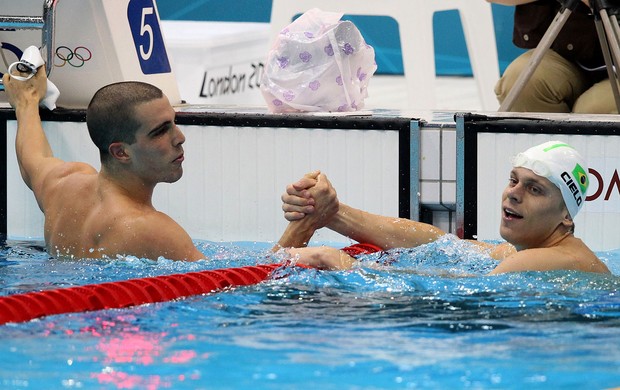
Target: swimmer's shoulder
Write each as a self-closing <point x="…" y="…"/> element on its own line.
<point x="570" y="254"/>
<point x="72" y="168"/>
<point x="585" y="259"/>
<point x="69" y="175"/>
<point x="66" y="182"/>
<point x="495" y="251"/>
<point x="502" y="251"/>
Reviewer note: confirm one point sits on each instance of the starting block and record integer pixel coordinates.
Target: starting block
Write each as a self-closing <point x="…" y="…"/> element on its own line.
<point x="95" y="43"/>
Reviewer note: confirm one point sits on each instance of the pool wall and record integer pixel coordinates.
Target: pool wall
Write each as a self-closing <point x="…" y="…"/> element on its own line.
<point x="238" y="165"/>
<point x="239" y="162"/>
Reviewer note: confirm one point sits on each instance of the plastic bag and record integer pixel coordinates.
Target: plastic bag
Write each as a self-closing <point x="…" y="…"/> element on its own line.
<point x="318" y="63"/>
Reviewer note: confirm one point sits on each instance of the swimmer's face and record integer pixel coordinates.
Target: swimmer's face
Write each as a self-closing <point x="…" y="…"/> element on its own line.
<point x="532" y="210"/>
<point x="157" y="153"/>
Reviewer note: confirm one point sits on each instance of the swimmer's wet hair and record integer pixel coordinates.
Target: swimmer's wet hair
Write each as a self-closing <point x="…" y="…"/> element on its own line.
<point x="110" y="116"/>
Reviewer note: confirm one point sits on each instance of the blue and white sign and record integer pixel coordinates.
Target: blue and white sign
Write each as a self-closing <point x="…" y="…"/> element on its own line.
<point x="147" y="37"/>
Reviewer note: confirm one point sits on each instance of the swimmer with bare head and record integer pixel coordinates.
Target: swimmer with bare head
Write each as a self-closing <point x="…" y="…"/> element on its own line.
<point x="90" y="213"/>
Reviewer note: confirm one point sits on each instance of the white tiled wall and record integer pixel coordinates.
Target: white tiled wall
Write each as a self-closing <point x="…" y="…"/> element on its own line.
<point x="233" y="177"/>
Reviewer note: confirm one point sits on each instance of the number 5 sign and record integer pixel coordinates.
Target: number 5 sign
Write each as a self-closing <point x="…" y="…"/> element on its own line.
<point x="147" y="37"/>
<point x="122" y="40"/>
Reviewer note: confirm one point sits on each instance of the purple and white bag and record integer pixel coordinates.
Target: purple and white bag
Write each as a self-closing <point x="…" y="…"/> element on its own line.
<point x="318" y="63"/>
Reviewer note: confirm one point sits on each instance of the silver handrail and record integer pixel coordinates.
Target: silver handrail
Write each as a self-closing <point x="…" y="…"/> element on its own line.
<point x="45" y="23"/>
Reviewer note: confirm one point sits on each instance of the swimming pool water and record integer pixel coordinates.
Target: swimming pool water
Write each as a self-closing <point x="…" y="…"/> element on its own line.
<point x="405" y="319"/>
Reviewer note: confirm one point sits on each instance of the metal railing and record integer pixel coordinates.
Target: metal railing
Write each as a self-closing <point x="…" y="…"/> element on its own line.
<point x="45" y="23"/>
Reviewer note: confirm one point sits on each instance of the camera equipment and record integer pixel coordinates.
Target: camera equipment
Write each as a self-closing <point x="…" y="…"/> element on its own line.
<point x="606" y="22"/>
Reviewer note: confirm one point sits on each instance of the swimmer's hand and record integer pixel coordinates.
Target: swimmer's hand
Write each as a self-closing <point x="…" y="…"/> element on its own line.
<point x="297" y="200"/>
<point x="322" y="258"/>
<point x="313" y="199"/>
<point x="22" y="93"/>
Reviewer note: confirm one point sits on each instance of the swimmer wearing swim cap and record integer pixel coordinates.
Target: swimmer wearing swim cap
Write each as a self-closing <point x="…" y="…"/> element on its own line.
<point x="546" y="189"/>
<point x="562" y="165"/>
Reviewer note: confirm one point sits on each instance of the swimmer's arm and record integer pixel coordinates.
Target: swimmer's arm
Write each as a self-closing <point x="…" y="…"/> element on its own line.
<point x="296" y="235"/>
<point x="34" y="153"/>
<point x="303" y="203"/>
<point x="313" y="190"/>
<point x="39" y="169"/>
<point x="385" y="232"/>
<point x="322" y="257"/>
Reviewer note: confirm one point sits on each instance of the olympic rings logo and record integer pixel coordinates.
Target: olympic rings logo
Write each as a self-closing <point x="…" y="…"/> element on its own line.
<point x="76" y="57"/>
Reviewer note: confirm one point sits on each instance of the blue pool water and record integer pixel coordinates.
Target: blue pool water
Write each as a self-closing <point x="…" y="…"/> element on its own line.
<point x="402" y="320"/>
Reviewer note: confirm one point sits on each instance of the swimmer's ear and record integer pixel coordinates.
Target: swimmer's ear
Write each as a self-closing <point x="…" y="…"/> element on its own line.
<point x="568" y="221"/>
<point x="118" y="151"/>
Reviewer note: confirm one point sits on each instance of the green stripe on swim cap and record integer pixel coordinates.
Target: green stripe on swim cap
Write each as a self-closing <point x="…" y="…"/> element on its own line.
<point x="563" y="166"/>
<point x="554" y="146"/>
<point x="582" y="178"/>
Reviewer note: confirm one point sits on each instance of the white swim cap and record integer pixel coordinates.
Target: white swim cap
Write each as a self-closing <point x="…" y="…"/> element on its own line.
<point x="563" y="166"/>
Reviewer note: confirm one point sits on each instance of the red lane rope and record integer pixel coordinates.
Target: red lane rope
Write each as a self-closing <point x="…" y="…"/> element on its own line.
<point x="132" y="292"/>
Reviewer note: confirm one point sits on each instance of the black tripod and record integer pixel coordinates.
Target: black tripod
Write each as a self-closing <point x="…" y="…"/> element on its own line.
<point x="608" y="33"/>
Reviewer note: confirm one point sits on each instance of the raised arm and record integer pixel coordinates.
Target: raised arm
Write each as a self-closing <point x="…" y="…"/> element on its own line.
<point x="385" y="232"/>
<point x="304" y="205"/>
<point x="34" y="154"/>
<point x="316" y="204"/>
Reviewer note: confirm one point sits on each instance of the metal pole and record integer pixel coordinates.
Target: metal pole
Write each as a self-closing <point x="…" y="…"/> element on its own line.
<point x="45" y="23"/>
<point x="48" y="33"/>
<point x="539" y="52"/>
<point x="609" y="62"/>
<point x="609" y="41"/>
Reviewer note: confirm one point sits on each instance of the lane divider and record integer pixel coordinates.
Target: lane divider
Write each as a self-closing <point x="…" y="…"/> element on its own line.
<point x="132" y="292"/>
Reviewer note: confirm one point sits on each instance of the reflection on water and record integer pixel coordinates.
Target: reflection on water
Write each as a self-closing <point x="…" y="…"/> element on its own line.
<point x="401" y="319"/>
<point x="123" y="344"/>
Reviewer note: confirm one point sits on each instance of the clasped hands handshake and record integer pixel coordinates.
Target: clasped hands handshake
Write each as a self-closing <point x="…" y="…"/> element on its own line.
<point x="312" y="199"/>
<point x="309" y="204"/>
